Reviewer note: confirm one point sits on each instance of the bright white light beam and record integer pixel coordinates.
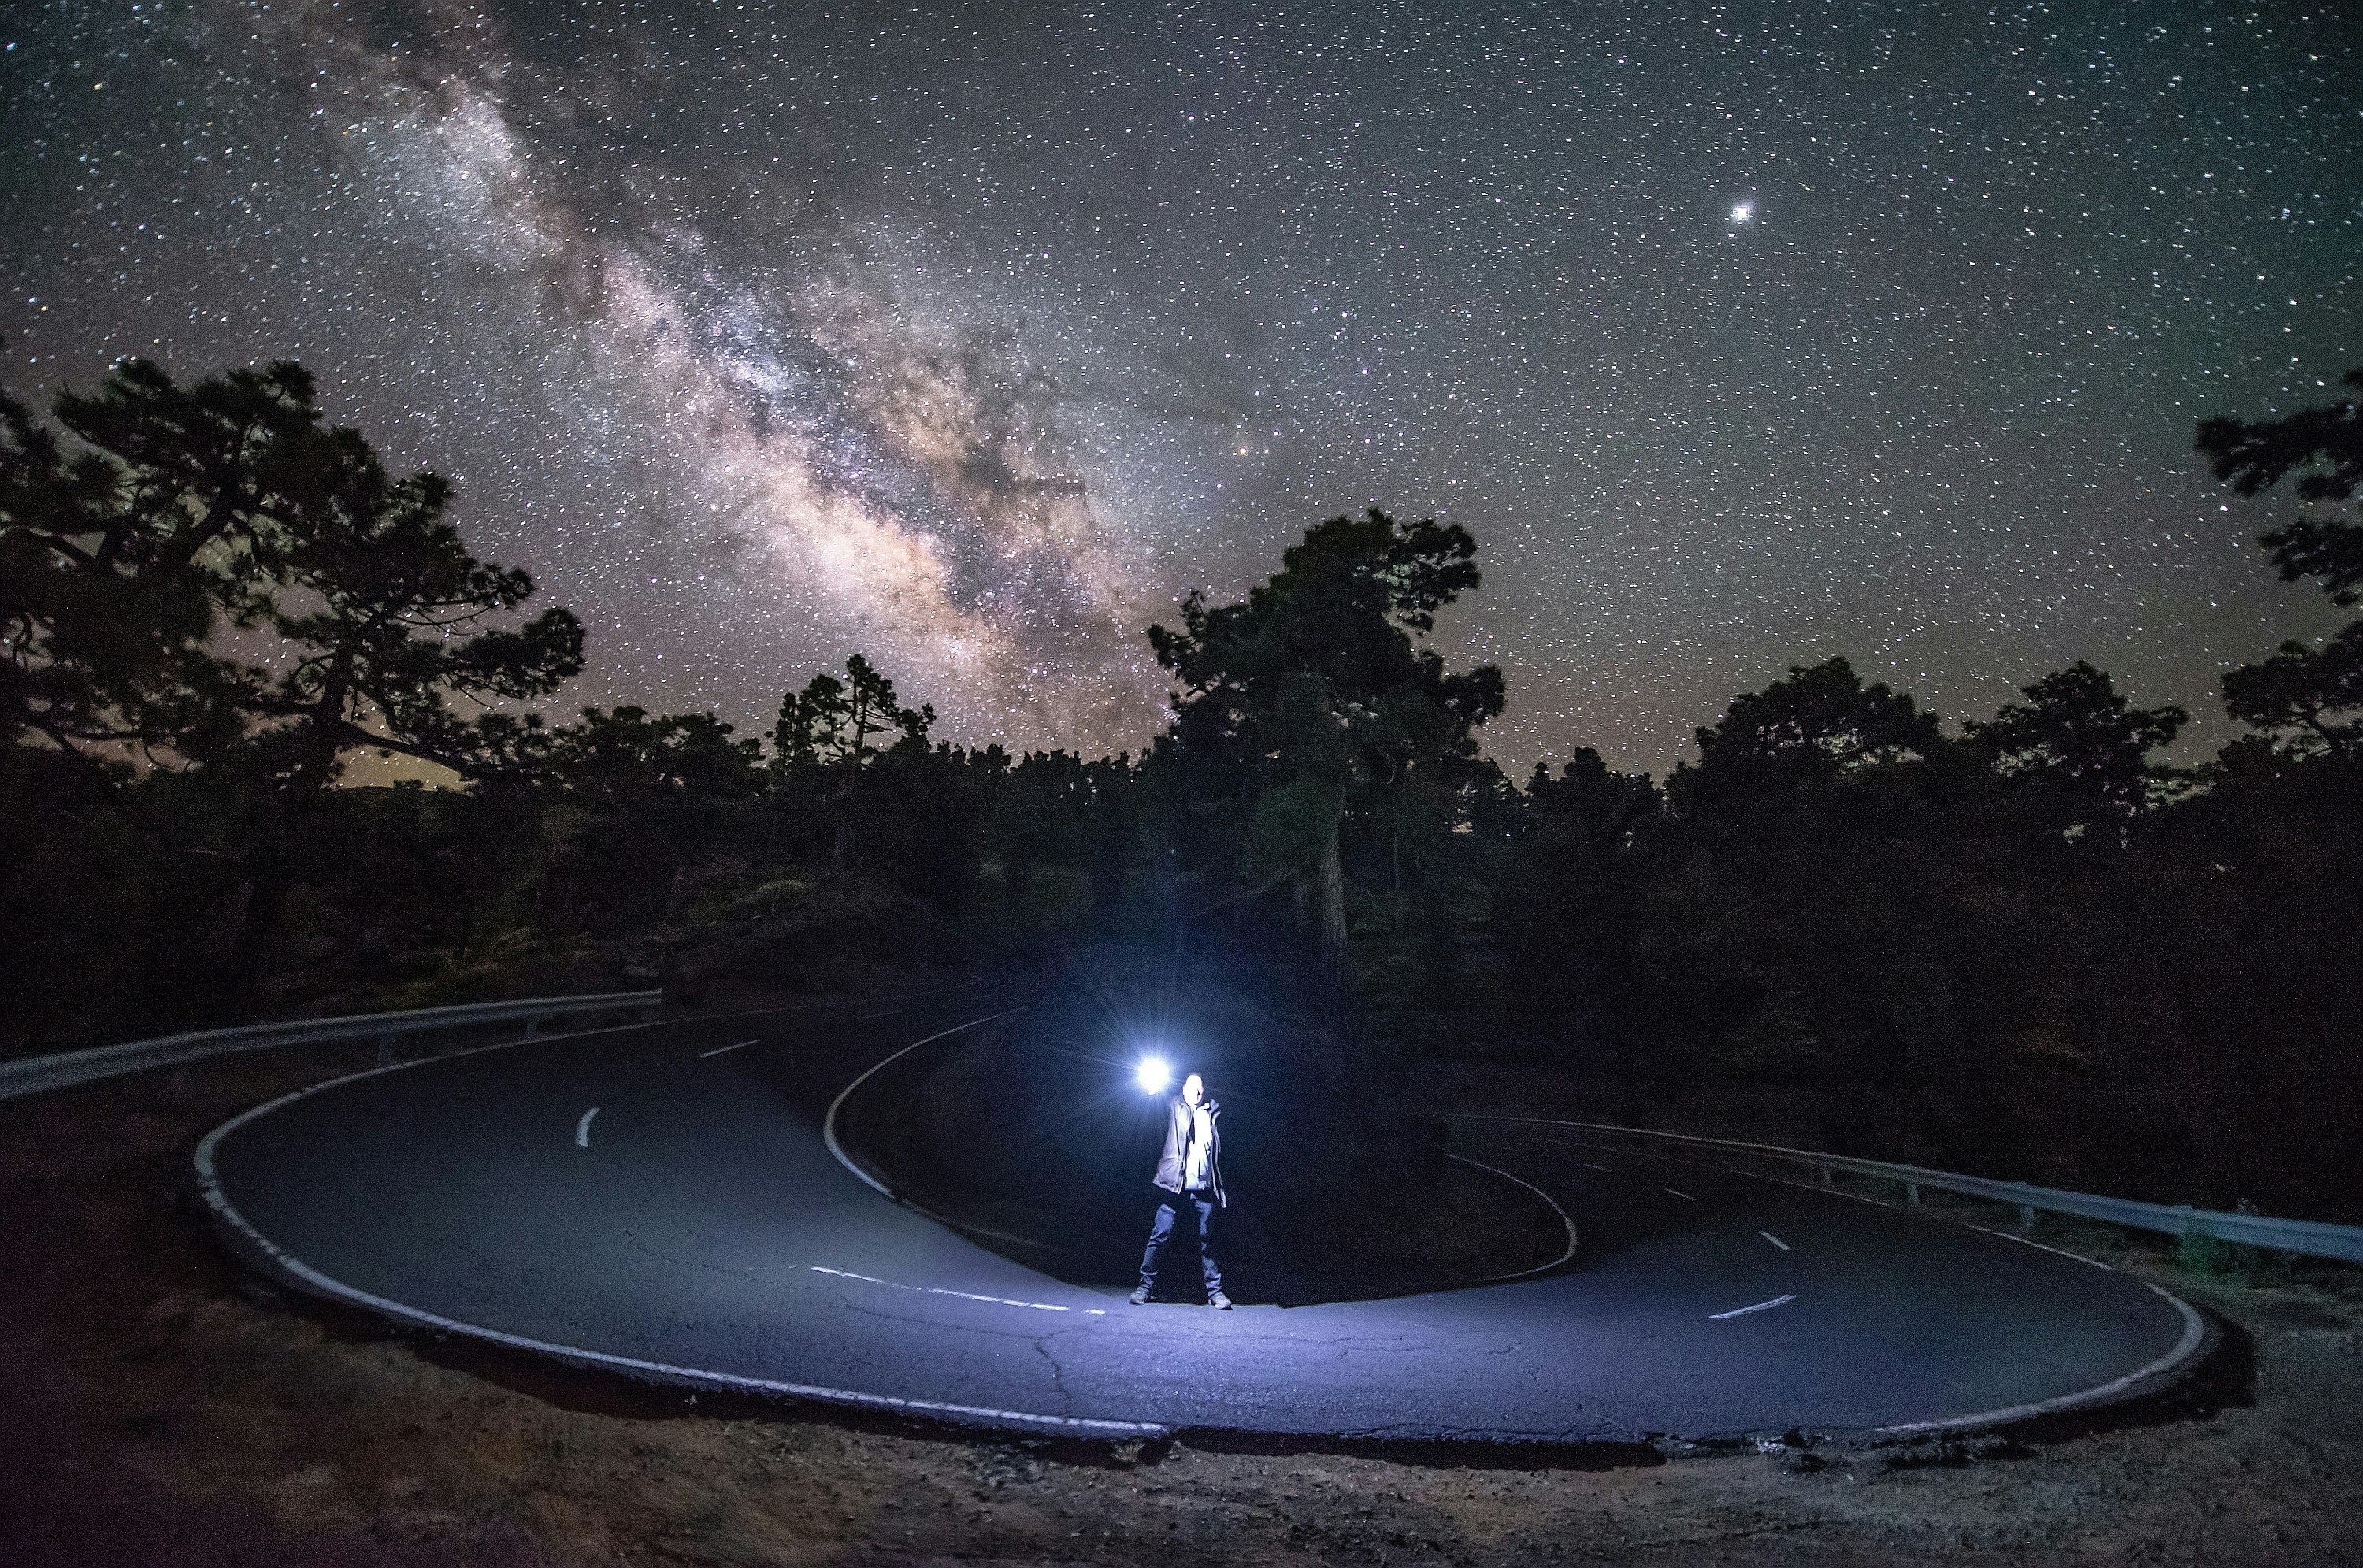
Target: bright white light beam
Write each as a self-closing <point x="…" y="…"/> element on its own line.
<point x="1153" y="1074"/>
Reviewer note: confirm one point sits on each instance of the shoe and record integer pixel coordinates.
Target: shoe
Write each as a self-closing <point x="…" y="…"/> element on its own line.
<point x="1140" y="1297"/>
<point x="1219" y="1302"/>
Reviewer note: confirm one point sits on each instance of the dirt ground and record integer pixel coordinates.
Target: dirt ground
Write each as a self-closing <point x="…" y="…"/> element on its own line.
<point x="158" y="1407"/>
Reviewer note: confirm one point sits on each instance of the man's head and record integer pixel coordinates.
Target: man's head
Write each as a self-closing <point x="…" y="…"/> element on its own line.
<point x="1193" y="1091"/>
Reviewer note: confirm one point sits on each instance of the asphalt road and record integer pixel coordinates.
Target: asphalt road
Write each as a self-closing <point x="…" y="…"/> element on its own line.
<point x="661" y="1199"/>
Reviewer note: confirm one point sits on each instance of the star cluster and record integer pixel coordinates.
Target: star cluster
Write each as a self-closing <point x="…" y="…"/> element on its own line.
<point x="970" y="337"/>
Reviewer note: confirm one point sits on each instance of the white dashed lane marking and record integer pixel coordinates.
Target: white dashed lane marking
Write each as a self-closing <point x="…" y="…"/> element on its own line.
<point x="890" y="1013"/>
<point x="1685" y="1196"/>
<point x="962" y="1295"/>
<point x="1590" y="1166"/>
<point x="1760" y="1306"/>
<point x="1774" y="1240"/>
<point x="583" y="1129"/>
<point x="719" y="1049"/>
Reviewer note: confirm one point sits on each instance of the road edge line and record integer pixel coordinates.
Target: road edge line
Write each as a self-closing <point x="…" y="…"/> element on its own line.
<point x="2182" y="1362"/>
<point x="829" y="1121"/>
<point x="2194" y="1339"/>
<point x="243" y="1232"/>
<point x="1564" y="1219"/>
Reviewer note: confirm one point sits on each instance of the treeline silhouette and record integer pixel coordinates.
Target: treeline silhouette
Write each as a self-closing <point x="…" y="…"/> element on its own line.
<point x="2021" y="944"/>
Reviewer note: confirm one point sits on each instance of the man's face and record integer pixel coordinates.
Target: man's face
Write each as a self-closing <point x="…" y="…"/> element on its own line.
<point x="1193" y="1091"/>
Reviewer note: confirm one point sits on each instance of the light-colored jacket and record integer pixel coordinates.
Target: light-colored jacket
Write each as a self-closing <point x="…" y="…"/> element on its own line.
<point x="1177" y="1149"/>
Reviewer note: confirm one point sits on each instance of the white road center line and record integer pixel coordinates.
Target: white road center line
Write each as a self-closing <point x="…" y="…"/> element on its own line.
<point x="1685" y="1196"/>
<point x="583" y="1129"/>
<point x="719" y="1049"/>
<point x="1760" y="1306"/>
<point x="1590" y="1166"/>
<point x="890" y="1013"/>
<point x="1774" y="1240"/>
<point x="962" y="1295"/>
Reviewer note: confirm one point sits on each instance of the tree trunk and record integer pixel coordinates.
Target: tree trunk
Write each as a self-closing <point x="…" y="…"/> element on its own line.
<point x="1439" y="943"/>
<point x="270" y="880"/>
<point x="1335" y="957"/>
<point x="1304" y="948"/>
<point x="841" y="804"/>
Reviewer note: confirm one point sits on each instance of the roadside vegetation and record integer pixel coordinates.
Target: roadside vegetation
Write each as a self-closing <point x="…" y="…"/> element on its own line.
<point x="2020" y="944"/>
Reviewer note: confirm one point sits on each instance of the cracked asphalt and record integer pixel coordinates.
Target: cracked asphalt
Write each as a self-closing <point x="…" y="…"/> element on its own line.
<point x="703" y="1235"/>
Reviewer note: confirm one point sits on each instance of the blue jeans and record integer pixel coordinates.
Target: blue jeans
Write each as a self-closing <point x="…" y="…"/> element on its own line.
<point x="1198" y="1203"/>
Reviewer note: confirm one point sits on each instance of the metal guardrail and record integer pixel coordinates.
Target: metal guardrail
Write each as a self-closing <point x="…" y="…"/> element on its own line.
<point x="2309" y="1238"/>
<point x="37" y="1075"/>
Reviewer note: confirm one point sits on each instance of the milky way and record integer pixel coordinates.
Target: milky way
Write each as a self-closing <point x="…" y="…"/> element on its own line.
<point x="968" y="339"/>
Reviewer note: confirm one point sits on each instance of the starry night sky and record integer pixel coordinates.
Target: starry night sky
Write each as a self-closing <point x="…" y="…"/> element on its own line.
<point x="970" y="337"/>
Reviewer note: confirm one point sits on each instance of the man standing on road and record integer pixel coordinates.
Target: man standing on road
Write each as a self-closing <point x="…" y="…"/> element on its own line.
<point x="1189" y="1179"/>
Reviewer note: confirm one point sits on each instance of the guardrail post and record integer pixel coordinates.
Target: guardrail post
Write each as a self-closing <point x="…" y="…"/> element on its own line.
<point x="2025" y="1212"/>
<point x="1910" y="1192"/>
<point x="385" y="1050"/>
<point x="532" y="1025"/>
<point x="1826" y="1180"/>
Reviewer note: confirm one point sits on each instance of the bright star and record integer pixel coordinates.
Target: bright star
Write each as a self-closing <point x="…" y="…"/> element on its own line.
<point x="1743" y="211"/>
